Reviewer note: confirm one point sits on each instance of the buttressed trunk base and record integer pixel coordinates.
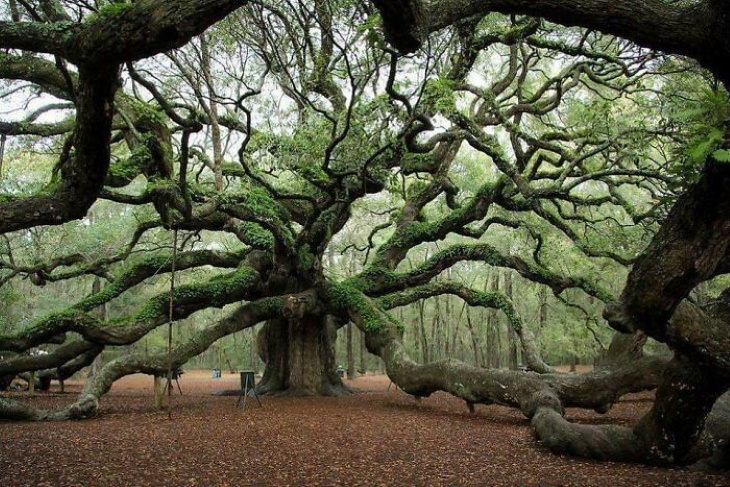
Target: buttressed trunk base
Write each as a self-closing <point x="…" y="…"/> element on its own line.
<point x="300" y="357"/>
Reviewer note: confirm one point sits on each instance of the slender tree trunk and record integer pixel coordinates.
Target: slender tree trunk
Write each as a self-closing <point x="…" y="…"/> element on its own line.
<point x="237" y="353"/>
<point x="350" y="354"/>
<point x="2" y="155"/>
<point x="457" y="328"/>
<point x="474" y="338"/>
<point x="422" y="328"/>
<point x="14" y="13"/>
<point x="215" y="131"/>
<point x="542" y="316"/>
<point x="434" y="350"/>
<point x="101" y="312"/>
<point x="252" y="351"/>
<point x="363" y="367"/>
<point x="159" y="387"/>
<point x="512" y="338"/>
<point x="446" y="318"/>
<point x="462" y="350"/>
<point x="494" y="342"/>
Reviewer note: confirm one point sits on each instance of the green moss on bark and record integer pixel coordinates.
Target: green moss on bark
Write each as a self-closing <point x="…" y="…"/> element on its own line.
<point x="347" y="297"/>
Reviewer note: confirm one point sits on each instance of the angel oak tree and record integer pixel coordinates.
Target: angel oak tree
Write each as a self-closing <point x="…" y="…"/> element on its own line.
<point x="300" y="121"/>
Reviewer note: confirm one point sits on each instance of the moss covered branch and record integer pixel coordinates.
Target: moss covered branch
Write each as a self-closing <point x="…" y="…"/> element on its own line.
<point x="87" y="404"/>
<point x="377" y="281"/>
<point x="216" y="292"/>
<point x="660" y="438"/>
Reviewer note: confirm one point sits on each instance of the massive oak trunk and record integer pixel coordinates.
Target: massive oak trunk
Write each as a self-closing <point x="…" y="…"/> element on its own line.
<point x="300" y="357"/>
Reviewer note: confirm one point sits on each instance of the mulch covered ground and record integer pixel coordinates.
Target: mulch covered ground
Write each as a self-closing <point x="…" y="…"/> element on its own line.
<point x="371" y="438"/>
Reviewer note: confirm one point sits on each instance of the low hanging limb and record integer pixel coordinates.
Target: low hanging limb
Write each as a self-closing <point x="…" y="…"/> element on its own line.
<point x="87" y="403"/>
<point x="667" y="435"/>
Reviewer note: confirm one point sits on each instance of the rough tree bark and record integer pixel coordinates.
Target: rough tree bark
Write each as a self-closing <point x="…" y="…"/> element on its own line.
<point x="624" y="347"/>
<point x="695" y="29"/>
<point x="98" y="46"/>
<point x="299" y="356"/>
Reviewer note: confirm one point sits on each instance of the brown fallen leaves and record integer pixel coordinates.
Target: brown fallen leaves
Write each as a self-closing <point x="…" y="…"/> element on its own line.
<point x="369" y="439"/>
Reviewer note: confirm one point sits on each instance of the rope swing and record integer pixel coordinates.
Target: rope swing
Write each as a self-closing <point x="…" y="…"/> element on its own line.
<point x="169" y="326"/>
<point x="2" y="154"/>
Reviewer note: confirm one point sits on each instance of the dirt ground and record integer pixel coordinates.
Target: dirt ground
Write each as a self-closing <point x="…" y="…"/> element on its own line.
<point x="373" y="438"/>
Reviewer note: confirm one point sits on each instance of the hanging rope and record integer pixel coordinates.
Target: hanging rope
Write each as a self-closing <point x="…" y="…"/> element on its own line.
<point x="169" y="326"/>
<point x="2" y="154"/>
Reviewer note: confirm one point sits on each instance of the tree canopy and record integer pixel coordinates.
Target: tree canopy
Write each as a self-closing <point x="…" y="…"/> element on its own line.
<point x="251" y="149"/>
